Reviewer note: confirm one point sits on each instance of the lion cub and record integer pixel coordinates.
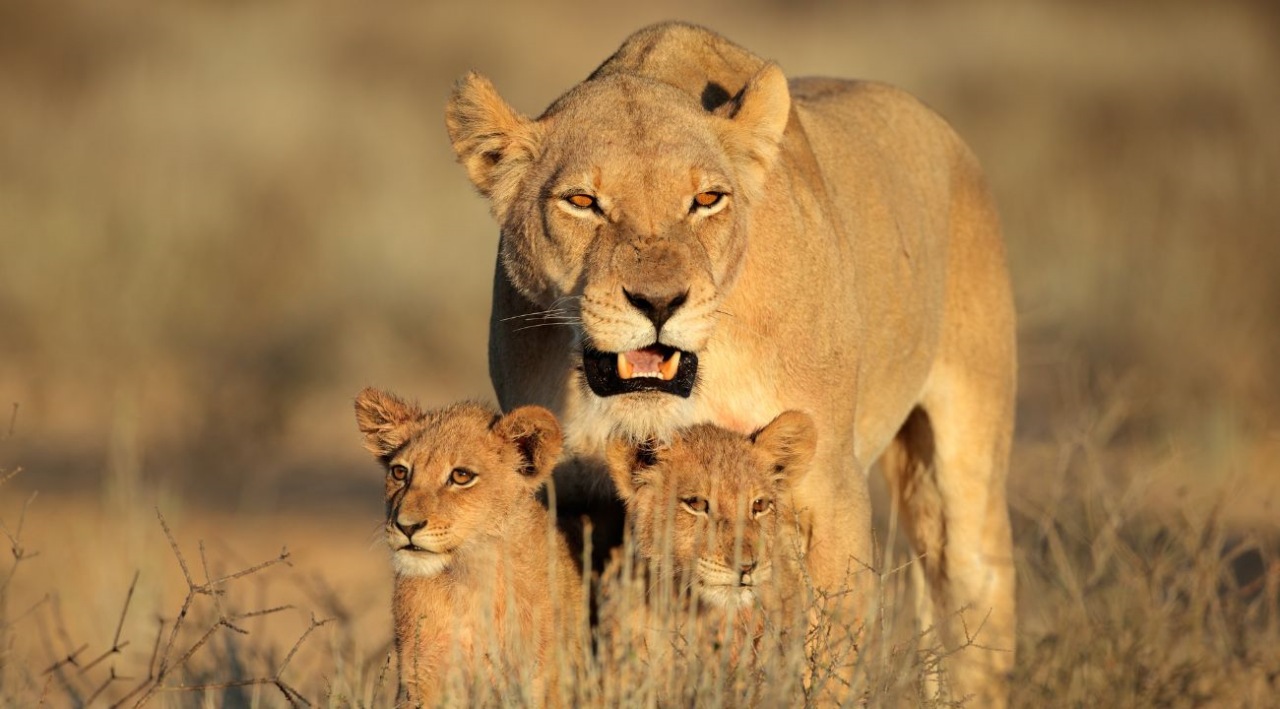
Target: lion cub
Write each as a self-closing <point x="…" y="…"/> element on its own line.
<point x="711" y="513"/>
<point x="485" y="587"/>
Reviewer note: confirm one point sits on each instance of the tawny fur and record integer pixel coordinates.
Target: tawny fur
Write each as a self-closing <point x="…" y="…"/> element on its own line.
<point x="855" y="271"/>
<point x="713" y="521"/>
<point x="491" y="589"/>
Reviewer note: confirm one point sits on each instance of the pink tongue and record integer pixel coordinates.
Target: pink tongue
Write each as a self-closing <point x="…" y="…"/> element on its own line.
<point x="645" y="360"/>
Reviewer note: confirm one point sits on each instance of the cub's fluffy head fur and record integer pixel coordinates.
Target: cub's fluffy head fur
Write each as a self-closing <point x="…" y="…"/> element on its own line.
<point x="717" y="505"/>
<point x="456" y="477"/>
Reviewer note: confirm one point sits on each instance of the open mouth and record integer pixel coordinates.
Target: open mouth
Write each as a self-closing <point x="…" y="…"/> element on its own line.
<point x="654" y="368"/>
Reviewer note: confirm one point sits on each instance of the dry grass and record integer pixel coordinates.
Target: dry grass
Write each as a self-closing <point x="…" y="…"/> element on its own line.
<point x="220" y="220"/>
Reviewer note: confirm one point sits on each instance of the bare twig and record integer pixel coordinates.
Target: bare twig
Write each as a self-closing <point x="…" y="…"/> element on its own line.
<point x="151" y="670"/>
<point x="20" y="553"/>
<point x="111" y="678"/>
<point x="293" y="696"/>
<point x="13" y="423"/>
<point x="6" y="477"/>
<point x="116" y="645"/>
<point x="283" y="558"/>
<point x="162" y="666"/>
<point x="10" y="622"/>
<point x="69" y="659"/>
<point x="289" y="657"/>
<point x="173" y="543"/>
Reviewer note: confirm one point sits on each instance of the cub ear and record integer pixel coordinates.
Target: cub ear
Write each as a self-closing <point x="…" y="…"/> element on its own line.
<point x="789" y="442"/>
<point x="535" y="432"/>
<point x="492" y="140"/>
<point x="630" y="463"/>
<point x="757" y="118"/>
<point x="384" y="420"/>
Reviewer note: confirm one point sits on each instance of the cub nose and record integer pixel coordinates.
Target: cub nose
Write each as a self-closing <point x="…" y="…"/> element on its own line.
<point x="658" y="307"/>
<point x="747" y="567"/>
<point x="409" y="528"/>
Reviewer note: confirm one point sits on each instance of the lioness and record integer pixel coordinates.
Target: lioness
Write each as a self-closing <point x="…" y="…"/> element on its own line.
<point x="481" y="575"/>
<point x="721" y="245"/>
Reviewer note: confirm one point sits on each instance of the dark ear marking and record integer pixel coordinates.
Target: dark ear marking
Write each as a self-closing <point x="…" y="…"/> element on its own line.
<point x="714" y="96"/>
<point x="527" y="445"/>
<point x="537" y="438"/>
<point x="646" y="454"/>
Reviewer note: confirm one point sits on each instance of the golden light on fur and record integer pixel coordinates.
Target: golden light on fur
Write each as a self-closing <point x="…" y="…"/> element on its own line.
<point x="871" y="291"/>
<point x="694" y="505"/>
<point x="470" y="542"/>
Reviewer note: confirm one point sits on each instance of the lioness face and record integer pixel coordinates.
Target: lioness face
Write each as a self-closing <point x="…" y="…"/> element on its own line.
<point x="625" y="209"/>
<point x="454" y="476"/>
<point x="718" y="502"/>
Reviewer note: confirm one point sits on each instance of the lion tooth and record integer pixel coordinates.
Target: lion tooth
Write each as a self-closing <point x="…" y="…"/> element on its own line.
<point x="669" y="368"/>
<point x="625" y="369"/>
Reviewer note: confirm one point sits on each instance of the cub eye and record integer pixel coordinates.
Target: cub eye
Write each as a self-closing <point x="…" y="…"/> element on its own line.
<point x="399" y="473"/>
<point x="696" y="505"/>
<point x="461" y="477"/>
<point x="581" y="201"/>
<point x="706" y="200"/>
<point x="761" y="505"/>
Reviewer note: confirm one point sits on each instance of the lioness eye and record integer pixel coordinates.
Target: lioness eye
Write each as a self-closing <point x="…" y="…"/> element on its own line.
<point x="695" y="504"/>
<point x="461" y="477"/>
<point x="399" y="473"/>
<point x="760" y="506"/>
<point x="581" y="201"/>
<point x="707" y="199"/>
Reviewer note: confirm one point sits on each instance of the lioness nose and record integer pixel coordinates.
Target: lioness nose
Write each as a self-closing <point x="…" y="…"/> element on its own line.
<point x="409" y="528"/>
<point x="658" y="307"/>
<point x="747" y="566"/>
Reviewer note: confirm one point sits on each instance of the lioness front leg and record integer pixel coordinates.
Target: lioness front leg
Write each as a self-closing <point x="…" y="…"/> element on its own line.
<point x="839" y="557"/>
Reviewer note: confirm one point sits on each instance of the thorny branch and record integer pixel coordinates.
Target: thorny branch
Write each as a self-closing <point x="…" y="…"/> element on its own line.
<point x="294" y="696"/>
<point x="167" y="659"/>
<point x="164" y="667"/>
<point x="20" y="553"/>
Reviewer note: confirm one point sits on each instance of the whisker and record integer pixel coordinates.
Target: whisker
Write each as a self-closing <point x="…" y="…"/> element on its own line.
<point x="547" y="324"/>
<point x="555" y="309"/>
<point x="377" y="536"/>
<point x="554" y="312"/>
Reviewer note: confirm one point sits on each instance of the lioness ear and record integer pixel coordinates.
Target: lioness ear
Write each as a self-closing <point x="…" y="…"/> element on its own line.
<point x="493" y="141"/>
<point x="757" y="118"/>
<point x="789" y="442"/>
<point x="536" y="435"/>
<point x="629" y="462"/>
<point x="384" y="420"/>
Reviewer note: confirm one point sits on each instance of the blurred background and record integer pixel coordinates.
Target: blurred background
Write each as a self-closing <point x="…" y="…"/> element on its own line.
<point x="220" y="220"/>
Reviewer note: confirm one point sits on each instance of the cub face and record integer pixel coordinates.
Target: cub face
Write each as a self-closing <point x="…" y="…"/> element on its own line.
<point x="719" y="502"/>
<point x="454" y="476"/>
<point x="626" y="204"/>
